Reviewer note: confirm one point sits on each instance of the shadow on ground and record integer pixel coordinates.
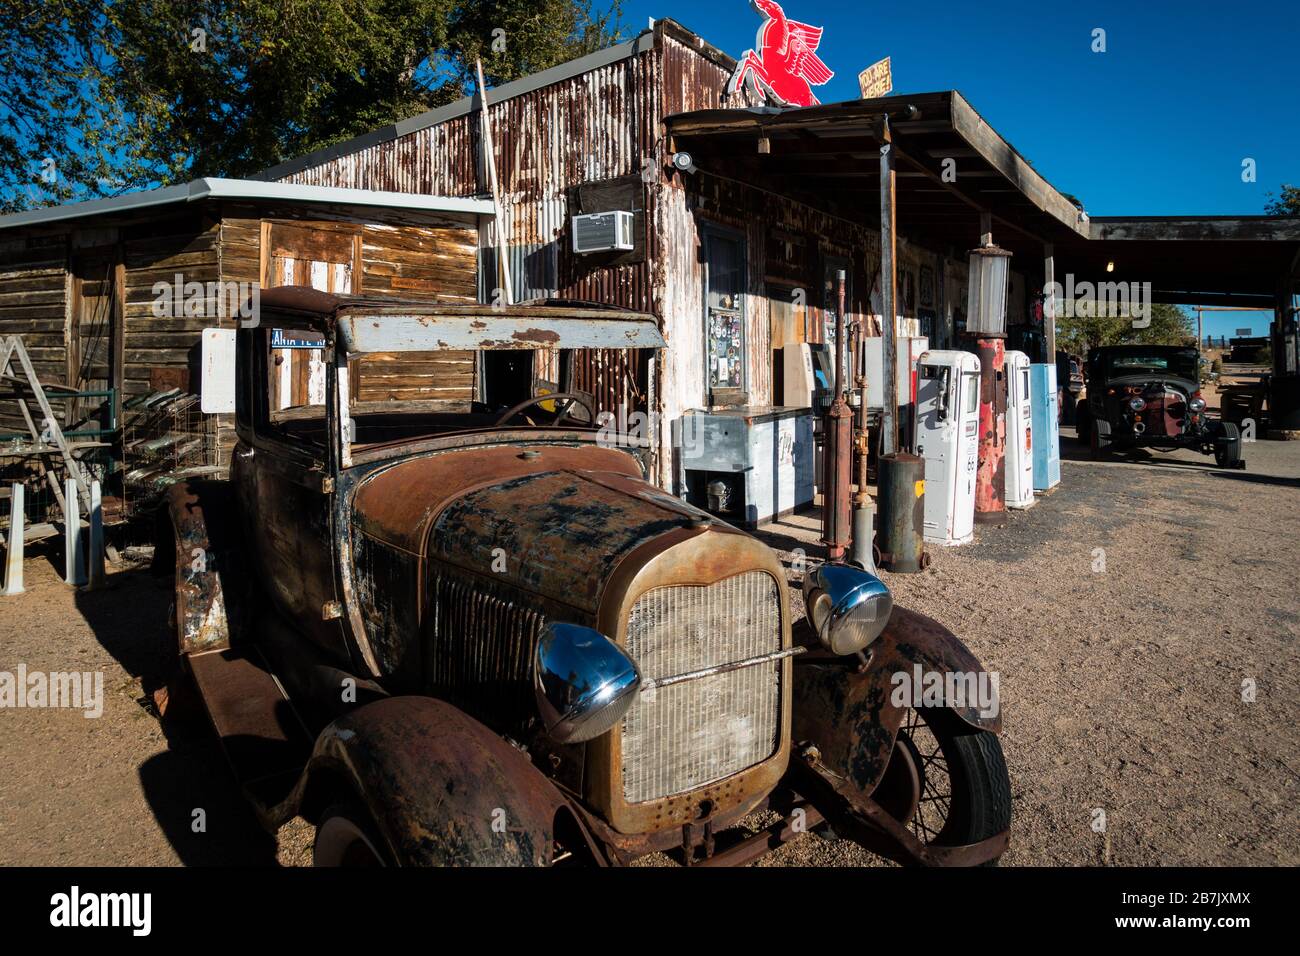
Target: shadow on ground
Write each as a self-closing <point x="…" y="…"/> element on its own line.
<point x="189" y="786"/>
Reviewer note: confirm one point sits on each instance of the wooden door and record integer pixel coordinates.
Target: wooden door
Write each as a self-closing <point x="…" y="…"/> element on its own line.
<point x="94" y="325"/>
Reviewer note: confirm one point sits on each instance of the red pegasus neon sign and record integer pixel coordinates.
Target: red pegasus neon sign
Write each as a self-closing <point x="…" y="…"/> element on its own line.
<point x="786" y="66"/>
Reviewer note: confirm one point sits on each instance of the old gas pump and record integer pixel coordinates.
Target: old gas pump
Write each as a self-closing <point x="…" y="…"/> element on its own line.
<point x="947" y="437"/>
<point x="1020" y="459"/>
<point x="1046" y="430"/>
<point x="987" y="321"/>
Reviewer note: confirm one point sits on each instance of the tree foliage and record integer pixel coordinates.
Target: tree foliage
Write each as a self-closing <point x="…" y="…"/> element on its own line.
<point x="161" y="91"/>
<point x="1170" y="325"/>
<point x="1285" y="203"/>
<point x="51" y="125"/>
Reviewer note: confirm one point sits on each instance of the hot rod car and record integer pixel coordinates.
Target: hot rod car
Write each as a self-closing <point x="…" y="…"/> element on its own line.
<point x="473" y="632"/>
<point x="1149" y="395"/>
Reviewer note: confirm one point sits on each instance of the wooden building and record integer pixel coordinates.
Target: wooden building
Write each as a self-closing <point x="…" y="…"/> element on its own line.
<point x="113" y="295"/>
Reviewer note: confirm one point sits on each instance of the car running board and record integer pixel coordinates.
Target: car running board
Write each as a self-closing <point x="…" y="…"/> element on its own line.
<point x="262" y="735"/>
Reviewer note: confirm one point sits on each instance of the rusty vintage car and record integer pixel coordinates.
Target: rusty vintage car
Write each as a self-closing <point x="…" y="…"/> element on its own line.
<point x="1149" y="396"/>
<point x="476" y="633"/>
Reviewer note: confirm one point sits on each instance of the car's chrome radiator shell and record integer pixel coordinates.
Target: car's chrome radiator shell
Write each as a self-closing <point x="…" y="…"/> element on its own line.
<point x="688" y="735"/>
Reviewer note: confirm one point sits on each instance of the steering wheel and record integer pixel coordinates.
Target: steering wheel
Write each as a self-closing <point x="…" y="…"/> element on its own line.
<point x="560" y="409"/>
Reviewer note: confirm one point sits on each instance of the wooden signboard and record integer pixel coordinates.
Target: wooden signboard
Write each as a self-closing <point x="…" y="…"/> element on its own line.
<point x="876" y="80"/>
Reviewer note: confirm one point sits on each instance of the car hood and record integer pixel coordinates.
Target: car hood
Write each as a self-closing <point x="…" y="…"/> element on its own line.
<point x="556" y="524"/>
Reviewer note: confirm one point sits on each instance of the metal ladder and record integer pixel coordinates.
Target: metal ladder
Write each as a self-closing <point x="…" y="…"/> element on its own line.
<point x="47" y="442"/>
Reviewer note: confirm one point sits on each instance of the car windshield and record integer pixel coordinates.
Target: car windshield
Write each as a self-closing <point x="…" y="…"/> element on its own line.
<point x="1181" y="363"/>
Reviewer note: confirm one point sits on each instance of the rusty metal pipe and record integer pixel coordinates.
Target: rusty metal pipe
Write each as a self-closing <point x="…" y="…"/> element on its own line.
<point x="838" y="457"/>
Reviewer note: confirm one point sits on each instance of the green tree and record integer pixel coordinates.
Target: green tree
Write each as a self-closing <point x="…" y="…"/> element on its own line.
<point x="51" y="124"/>
<point x="186" y="88"/>
<point x="1169" y="325"/>
<point x="1285" y="203"/>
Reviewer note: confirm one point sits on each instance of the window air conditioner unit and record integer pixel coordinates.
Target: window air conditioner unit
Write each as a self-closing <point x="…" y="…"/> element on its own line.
<point x="603" y="232"/>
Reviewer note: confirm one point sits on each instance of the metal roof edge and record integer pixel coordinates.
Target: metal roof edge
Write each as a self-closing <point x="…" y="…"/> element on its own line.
<point x="247" y="189"/>
<point x="1053" y="201"/>
<point x="465" y="105"/>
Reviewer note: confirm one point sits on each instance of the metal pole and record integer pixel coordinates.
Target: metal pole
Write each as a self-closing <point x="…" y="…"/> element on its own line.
<point x="888" y="293"/>
<point x="839" y="454"/>
<point x="489" y="153"/>
<point x="96" y="555"/>
<point x="1049" y="303"/>
<point x="15" y="542"/>
<point x="74" y="562"/>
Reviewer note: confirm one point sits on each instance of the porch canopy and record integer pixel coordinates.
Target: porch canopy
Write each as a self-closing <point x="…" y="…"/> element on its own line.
<point x="830" y="155"/>
<point x="950" y="167"/>
<point x="1249" y="261"/>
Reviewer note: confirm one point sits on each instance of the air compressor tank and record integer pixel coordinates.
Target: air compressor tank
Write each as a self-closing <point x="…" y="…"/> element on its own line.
<point x="901" y="485"/>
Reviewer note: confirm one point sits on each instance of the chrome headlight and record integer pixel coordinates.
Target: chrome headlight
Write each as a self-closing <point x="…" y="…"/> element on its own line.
<point x="1137" y="404"/>
<point x="848" y="608"/>
<point x="584" y="682"/>
<point x="1196" y="405"/>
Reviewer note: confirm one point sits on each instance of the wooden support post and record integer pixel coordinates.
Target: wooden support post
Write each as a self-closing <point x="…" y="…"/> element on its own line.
<point x="96" y="556"/>
<point x="1049" y="303"/>
<point x="888" y="296"/>
<point x="74" y="563"/>
<point x="14" y="544"/>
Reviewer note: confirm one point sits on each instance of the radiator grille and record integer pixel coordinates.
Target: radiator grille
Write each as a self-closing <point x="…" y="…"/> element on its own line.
<point x="1164" y="413"/>
<point x="690" y="734"/>
<point x="482" y="650"/>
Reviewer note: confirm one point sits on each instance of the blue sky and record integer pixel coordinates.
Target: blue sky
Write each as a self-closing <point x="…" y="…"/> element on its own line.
<point x="1158" y="125"/>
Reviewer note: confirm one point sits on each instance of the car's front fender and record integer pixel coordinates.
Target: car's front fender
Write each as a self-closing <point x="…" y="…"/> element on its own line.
<point x="850" y="714"/>
<point x="442" y="789"/>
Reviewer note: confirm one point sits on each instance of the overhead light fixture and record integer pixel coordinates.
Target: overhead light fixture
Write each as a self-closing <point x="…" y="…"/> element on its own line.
<point x="1110" y="266"/>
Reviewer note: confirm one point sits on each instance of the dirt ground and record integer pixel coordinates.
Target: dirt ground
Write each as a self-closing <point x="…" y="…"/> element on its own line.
<point x="1121" y="684"/>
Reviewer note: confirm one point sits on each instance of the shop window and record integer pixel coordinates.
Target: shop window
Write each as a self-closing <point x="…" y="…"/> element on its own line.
<point x="724" y="325"/>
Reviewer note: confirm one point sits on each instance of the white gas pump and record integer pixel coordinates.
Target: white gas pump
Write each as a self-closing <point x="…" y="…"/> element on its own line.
<point x="1020" y="458"/>
<point x="947" y="437"/>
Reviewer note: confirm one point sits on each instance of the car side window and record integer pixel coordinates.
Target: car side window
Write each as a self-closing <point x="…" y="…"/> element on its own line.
<point x="294" y="384"/>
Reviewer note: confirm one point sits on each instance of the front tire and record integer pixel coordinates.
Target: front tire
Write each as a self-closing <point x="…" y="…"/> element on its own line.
<point x="965" y="790"/>
<point x="1083" y="423"/>
<point x="1227" y="452"/>
<point x="347" y="837"/>
<point x="1097" y="445"/>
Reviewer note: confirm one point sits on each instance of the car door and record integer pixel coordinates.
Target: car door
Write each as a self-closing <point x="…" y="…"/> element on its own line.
<point x="283" y="470"/>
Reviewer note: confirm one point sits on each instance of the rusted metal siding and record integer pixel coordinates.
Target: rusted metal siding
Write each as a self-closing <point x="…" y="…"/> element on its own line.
<point x="592" y="127"/>
<point x="693" y="79"/>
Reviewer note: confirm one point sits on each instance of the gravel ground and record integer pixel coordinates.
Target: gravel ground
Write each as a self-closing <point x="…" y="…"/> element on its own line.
<point x="1121" y="688"/>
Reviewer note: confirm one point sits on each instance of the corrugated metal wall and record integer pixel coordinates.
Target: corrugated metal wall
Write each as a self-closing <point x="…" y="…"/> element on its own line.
<point x="596" y="126"/>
